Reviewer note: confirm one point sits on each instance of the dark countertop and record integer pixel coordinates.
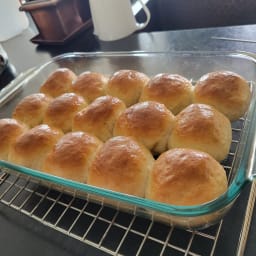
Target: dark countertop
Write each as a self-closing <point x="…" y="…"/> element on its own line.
<point x="23" y="54"/>
<point x="21" y="235"/>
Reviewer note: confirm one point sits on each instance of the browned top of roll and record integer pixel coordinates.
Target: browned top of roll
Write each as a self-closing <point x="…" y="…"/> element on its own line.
<point x="122" y="165"/>
<point x="72" y="156"/>
<point x="186" y="177"/>
<point x="127" y="85"/>
<point x="202" y="127"/>
<point x="198" y="121"/>
<point x="145" y="118"/>
<point x="90" y="85"/>
<point x="62" y="110"/>
<point x="31" y="148"/>
<point x="226" y="91"/>
<point x="10" y="129"/>
<point x="175" y="91"/>
<point x="58" y="82"/>
<point x="99" y="117"/>
<point x="31" y="109"/>
<point x="149" y="122"/>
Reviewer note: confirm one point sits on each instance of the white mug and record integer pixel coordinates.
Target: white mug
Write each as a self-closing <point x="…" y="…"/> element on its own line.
<point x="114" y="19"/>
<point x="12" y="21"/>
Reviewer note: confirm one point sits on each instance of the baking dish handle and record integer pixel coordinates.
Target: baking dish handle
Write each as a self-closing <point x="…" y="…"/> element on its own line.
<point x="14" y="86"/>
<point x="251" y="136"/>
<point x="251" y="174"/>
<point x="250" y="145"/>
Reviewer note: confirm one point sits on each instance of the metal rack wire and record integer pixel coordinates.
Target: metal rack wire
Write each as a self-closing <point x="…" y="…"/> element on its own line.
<point x="109" y="229"/>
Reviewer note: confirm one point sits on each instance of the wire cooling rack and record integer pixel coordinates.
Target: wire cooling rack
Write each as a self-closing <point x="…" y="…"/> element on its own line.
<point x="106" y="228"/>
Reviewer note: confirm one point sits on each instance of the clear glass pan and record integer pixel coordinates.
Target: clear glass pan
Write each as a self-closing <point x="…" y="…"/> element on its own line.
<point x="189" y="64"/>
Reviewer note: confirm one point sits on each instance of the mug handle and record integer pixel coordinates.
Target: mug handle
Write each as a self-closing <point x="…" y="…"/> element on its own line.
<point x="148" y="15"/>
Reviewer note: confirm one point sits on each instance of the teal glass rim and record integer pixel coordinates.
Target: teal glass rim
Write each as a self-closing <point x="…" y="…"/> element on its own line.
<point x="182" y="211"/>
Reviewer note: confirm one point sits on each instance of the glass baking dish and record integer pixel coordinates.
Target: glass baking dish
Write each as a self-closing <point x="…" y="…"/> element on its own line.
<point x="240" y="163"/>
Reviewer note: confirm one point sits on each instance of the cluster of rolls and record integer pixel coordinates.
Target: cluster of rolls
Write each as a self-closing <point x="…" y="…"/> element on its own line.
<point x="157" y="137"/>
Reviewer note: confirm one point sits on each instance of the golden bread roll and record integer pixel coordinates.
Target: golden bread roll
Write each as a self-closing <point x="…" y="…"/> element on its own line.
<point x="90" y="85"/>
<point x="186" y="177"/>
<point x="62" y="110"/>
<point x="31" y="109"/>
<point x="174" y="91"/>
<point x="121" y="165"/>
<point x="226" y="91"/>
<point x="31" y="148"/>
<point x="59" y="82"/>
<point x="72" y="155"/>
<point x="202" y="127"/>
<point x="10" y="129"/>
<point x="127" y="85"/>
<point x="148" y="122"/>
<point x="99" y="117"/>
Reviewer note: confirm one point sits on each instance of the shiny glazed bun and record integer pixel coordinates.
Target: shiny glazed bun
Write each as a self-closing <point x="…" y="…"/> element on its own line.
<point x="31" y="148"/>
<point x="174" y="91"/>
<point x="31" y="109"/>
<point x="148" y="122"/>
<point x="127" y="85"/>
<point x="72" y="155"/>
<point x="10" y="129"/>
<point x="121" y="165"/>
<point x="99" y="117"/>
<point x="58" y="82"/>
<point x="202" y="127"/>
<point x="226" y="91"/>
<point x="186" y="177"/>
<point x="90" y="85"/>
<point x="62" y="110"/>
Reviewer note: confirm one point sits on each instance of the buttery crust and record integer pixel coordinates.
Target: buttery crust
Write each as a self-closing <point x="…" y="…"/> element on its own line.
<point x="226" y="91"/>
<point x="10" y="129"/>
<point x="186" y="177"/>
<point x="122" y="165"/>
<point x="148" y="122"/>
<point x="31" y="109"/>
<point x="90" y="85"/>
<point x="174" y="91"/>
<point x="99" y="117"/>
<point x="62" y="110"/>
<point x="127" y="85"/>
<point x="30" y="149"/>
<point x="58" y="82"/>
<point x="72" y="155"/>
<point x="202" y="127"/>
